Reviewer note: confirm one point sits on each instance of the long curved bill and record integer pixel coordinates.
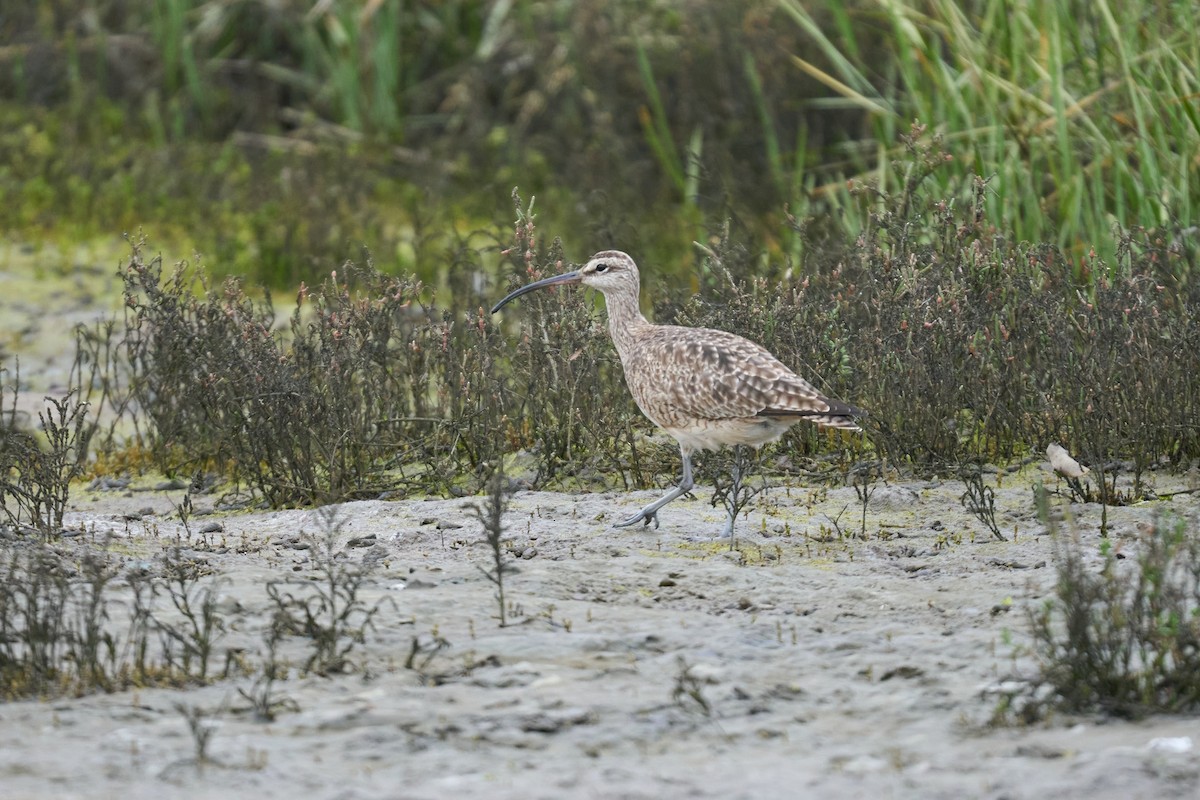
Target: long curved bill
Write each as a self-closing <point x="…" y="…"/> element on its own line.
<point x="566" y="277"/>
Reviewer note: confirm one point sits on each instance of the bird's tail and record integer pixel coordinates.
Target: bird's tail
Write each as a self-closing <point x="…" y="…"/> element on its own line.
<point x="839" y="415"/>
<point x="846" y="423"/>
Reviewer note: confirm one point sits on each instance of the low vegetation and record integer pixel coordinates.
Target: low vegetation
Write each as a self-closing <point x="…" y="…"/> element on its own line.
<point x="1121" y="635"/>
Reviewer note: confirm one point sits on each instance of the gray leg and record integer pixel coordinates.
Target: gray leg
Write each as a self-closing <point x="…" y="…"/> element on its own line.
<point x="734" y="490"/>
<point x="650" y="512"/>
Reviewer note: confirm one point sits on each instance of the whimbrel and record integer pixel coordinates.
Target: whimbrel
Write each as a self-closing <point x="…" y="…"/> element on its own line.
<point x="707" y="388"/>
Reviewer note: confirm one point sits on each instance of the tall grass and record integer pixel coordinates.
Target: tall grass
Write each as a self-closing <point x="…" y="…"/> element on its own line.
<point x="1083" y="115"/>
<point x="650" y="118"/>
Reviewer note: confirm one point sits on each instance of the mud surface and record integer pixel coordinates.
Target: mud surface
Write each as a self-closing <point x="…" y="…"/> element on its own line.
<point x="794" y="663"/>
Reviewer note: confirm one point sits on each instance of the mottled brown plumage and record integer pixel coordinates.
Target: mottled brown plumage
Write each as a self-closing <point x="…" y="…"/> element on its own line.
<point x="707" y="388"/>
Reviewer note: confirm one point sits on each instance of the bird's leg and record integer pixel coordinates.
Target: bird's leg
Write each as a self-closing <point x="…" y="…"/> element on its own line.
<point x="650" y="512"/>
<point x="728" y="532"/>
<point x="735" y="490"/>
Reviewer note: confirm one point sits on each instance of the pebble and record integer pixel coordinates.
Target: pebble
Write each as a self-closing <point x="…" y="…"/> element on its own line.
<point x="417" y="583"/>
<point x="1170" y="744"/>
<point x="504" y="677"/>
<point x="556" y="719"/>
<point x="106" y="484"/>
<point x="212" y="527"/>
<point x="362" y="541"/>
<point x="293" y="542"/>
<point x="893" y="497"/>
<point x="864" y="764"/>
<point x="227" y="605"/>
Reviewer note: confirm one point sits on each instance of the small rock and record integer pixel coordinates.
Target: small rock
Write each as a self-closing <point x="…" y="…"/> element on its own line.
<point x="227" y="604"/>
<point x="528" y="553"/>
<point x="106" y="484"/>
<point x="667" y="582"/>
<point x="417" y="583"/>
<point x="1035" y="750"/>
<point x="172" y="485"/>
<point x="505" y="677"/>
<point x="864" y="764"/>
<point x="893" y="497"/>
<point x="362" y="541"/>
<point x="212" y="527"/>
<point x="1170" y="744"/>
<point x="556" y="720"/>
<point x="446" y="525"/>
<point x="375" y="555"/>
<point x="902" y="672"/>
<point x="707" y="673"/>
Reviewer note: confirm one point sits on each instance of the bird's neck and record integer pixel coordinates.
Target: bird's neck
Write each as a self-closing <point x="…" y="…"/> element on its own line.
<point x="624" y="319"/>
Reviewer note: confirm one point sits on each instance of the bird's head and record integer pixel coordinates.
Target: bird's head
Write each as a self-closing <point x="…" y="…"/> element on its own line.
<point x="608" y="271"/>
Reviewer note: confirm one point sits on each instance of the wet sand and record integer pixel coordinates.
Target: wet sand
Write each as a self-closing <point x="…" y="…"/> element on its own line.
<point x="637" y="664"/>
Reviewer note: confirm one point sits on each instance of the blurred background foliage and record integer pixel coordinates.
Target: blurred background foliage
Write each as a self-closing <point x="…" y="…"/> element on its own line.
<point x="279" y="137"/>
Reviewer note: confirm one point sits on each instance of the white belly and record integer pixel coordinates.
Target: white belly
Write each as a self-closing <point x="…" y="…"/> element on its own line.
<point x="715" y="434"/>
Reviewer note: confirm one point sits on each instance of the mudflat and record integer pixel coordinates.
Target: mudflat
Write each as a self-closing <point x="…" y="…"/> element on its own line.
<point x="796" y="661"/>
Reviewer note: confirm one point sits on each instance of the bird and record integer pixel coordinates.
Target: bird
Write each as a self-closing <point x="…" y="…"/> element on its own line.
<point x="706" y="388"/>
<point x="1062" y="463"/>
<point x="1067" y="468"/>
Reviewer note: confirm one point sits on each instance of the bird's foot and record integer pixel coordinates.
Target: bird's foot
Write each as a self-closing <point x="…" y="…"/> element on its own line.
<point x="727" y="532"/>
<point x="642" y="517"/>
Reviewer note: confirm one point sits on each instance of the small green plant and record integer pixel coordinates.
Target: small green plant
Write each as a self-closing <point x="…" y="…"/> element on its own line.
<point x="329" y="609"/>
<point x="35" y="479"/>
<point x="422" y="652"/>
<point x="202" y="725"/>
<point x="491" y="517"/>
<point x="35" y="596"/>
<point x="263" y="696"/>
<point x="91" y="646"/>
<point x="188" y="639"/>
<point x="865" y="477"/>
<point x="980" y="499"/>
<point x="688" y="690"/>
<point x="183" y="510"/>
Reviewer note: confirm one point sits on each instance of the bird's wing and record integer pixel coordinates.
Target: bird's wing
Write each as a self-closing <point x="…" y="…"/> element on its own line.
<point x="712" y="374"/>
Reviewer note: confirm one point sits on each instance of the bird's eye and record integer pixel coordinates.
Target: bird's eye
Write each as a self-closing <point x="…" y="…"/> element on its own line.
<point x="601" y="267"/>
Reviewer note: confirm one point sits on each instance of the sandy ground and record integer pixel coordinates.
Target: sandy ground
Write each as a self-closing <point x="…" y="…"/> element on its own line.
<point x="638" y="663"/>
<point x="809" y="668"/>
